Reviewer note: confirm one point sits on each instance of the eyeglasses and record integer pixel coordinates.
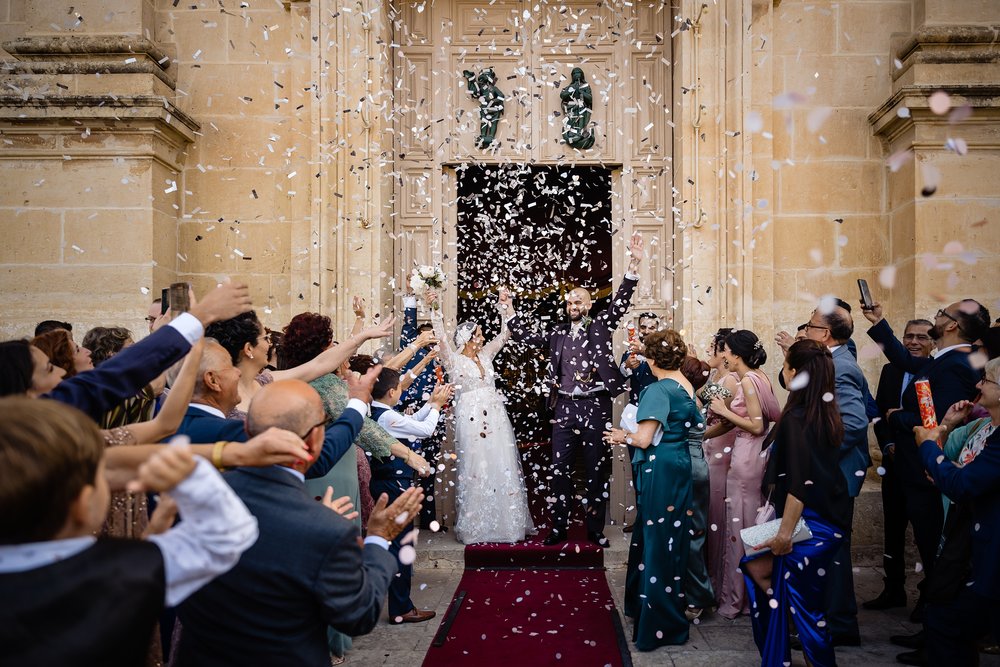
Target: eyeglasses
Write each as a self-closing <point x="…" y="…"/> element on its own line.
<point x="944" y="313"/>
<point x="985" y="379"/>
<point x="312" y="428"/>
<point x="809" y="325"/>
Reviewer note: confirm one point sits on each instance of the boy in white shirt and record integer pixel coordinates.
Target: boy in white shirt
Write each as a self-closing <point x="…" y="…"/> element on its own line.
<point x="393" y="476"/>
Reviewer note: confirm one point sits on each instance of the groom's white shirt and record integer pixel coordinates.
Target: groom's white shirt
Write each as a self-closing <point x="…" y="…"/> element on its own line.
<point x="420" y="424"/>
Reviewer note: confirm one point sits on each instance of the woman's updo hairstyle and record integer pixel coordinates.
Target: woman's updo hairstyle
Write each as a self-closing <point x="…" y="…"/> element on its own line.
<point x="745" y="345"/>
<point x="666" y="349"/>
<point x="233" y="334"/>
<point x="306" y="335"/>
<point x="719" y="339"/>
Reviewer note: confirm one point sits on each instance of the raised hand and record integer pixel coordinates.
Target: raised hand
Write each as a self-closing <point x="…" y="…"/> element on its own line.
<point x="504" y="300"/>
<point x="382" y="330"/>
<point x="358" y="304"/>
<point x="441" y="394"/>
<point x="873" y="314"/>
<point x="341" y="506"/>
<point x="635" y="250"/>
<point x="431" y="297"/>
<point x="387" y="521"/>
<point x="784" y="340"/>
<point x="360" y="386"/>
<point x="957" y="414"/>
<point x="425" y="339"/>
<point x="632" y="362"/>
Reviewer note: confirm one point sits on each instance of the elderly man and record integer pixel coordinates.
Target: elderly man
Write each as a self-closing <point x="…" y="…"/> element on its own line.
<point x="834" y="328"/>
<point x="952" y="378"/>
<point x="308" y="569"/>
<point x="216" y="392"/>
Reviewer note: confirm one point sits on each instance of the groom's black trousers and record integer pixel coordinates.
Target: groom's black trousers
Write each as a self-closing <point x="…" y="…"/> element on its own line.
<point x="578" y="429"/>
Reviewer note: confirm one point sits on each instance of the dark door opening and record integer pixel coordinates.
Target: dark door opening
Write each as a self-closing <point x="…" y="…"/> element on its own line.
<point x="539" y="231"/>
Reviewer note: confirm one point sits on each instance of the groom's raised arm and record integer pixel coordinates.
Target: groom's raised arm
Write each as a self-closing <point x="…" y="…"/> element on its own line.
<point x="623" y="297"/>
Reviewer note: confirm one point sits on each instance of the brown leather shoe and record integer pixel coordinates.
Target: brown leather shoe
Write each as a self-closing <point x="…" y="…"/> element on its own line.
<point x="628" y="528"/>
<point x="413" y="616"/>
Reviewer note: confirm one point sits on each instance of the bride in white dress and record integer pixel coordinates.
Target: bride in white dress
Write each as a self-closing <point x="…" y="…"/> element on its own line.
<point x="492" y="501"/>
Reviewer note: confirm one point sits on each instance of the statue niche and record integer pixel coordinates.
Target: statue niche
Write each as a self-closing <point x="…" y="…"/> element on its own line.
<point x="577" y="105"/>
<point x="491" y="104"/>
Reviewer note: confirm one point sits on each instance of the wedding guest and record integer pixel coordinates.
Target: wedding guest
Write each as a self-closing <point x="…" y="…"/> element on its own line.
<point x="891" y="384"/>
<point x="395" y="477"/>
<point x="95" y="601"/>
<point x="834" y="328"/>
<point x="58" y="345"/>
<point x="751" y="413"/>
<point x="718" y="448"/>
<point x="697" y="584"/>
<point x="787" y="581"/>
<point x="24" y="369"/>
<point x="423" y="378"/>
<point x="153" y="313"/>
<point x="51" y="325"/>
<point x="104" y="343"/>
<point x="953" y="378"/>
<point x="969" y="475"/>
<point x="246" y="341"/>
<point x="308" y="569"/>
<point x="634" y="367"/>
<point x="658" y="554"/>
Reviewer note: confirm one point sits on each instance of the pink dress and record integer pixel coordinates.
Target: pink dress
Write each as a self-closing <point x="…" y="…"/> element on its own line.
<point x="743" y="494"/>
<point x="718" y="452"/>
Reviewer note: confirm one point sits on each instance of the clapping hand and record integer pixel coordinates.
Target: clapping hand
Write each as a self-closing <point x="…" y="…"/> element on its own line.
<point x="441" y="394"/>
<point x="387" y="521"/>
<point x="225" y="302"/>
<point x="360" y="386"/>
<point x="341" y="506"/>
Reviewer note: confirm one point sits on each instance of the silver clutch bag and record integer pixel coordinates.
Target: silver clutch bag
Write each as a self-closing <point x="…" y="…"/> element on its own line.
<point x="755" y="535"/>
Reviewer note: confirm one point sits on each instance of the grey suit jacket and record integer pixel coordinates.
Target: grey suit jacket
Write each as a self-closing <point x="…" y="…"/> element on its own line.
<point x="305" y="572"/>
<point x="851" y="390"/>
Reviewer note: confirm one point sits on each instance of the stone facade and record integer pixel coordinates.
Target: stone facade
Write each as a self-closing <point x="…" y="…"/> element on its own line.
<point x="309" y="146"/>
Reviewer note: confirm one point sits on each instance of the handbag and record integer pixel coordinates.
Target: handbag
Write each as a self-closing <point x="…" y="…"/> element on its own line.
<point x="755" y="535"/>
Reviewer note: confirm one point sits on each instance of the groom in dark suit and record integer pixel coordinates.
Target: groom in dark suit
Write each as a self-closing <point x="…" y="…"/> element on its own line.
<point x="583" y="379"/>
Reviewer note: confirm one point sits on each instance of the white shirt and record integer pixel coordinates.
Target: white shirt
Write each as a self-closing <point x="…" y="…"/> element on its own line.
<point x="420" y="424"/>
<point x="188" y="326"/>
<point x="215" y="412"/>
<point x="949" y="349"/>
<point x="216" y="529"/>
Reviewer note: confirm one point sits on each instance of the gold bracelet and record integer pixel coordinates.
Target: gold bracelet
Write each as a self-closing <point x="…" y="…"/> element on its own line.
<point x="217" y="454"/>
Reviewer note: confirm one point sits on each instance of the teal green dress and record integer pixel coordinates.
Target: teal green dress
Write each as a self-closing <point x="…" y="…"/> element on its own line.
<point x="658" y="555"/>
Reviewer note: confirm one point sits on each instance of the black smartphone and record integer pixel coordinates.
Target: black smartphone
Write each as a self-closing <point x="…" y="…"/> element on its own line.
<point x="866" y="295"/>
<point x="164" y="300"/>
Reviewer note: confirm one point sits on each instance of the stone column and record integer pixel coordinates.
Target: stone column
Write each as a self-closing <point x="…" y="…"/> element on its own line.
<point x="92" y="144"/>
<point x="941" y="124"/>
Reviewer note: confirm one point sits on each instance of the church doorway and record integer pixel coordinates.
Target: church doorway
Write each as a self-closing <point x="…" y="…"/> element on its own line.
<point x="539" y="231"/>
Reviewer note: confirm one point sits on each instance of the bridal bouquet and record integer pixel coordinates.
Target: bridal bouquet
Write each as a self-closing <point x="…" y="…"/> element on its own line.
<point x="713" y="390"/>
<point x="425" y="278"/>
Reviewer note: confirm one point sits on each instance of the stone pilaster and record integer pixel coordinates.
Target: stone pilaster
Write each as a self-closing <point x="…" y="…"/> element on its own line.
<point x="946" y="170"/>
<point x="92" y="144"/>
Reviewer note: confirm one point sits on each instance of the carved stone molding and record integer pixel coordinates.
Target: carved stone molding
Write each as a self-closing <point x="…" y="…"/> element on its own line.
<point x="86" y="54"/>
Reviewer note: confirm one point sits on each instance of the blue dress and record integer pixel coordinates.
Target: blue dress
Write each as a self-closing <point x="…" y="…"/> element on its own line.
<point x="658" y="555"/>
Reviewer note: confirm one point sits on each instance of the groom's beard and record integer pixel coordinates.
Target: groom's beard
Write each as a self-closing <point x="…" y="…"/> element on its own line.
<point x="576" y="316"/>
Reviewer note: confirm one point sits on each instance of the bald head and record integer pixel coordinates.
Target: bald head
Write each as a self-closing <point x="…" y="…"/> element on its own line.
<point x="218" y="381"/>
<point x="289" y="404"/>
<point x="577" y="304"/>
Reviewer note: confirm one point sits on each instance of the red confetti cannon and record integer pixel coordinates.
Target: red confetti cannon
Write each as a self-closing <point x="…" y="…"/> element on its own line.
<point x="926" y="403"/>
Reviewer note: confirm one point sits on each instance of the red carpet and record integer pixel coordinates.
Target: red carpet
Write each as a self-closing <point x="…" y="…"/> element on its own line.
<point x="514" y="618"/>
<point x="526" y="604"/>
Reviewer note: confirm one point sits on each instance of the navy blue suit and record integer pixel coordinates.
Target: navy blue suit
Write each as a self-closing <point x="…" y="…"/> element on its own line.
<point x="305" y="572"/>
<point x="890" y="387"/>
<point x="952" y="379"/>
<point x="640" y="378"/>
<point x="203" y="427"/>
<point x="954" y="628"/>
<point x="122" y="376"/>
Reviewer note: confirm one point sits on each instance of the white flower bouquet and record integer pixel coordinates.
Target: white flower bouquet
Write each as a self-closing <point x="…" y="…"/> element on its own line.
<point x="425" y="278"/>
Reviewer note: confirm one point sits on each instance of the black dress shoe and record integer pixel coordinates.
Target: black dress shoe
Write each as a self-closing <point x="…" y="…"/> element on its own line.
<point x="887" y="599"/>
<point x="555" y="537"/>
<point x="597" y="537"/>
<point x="628" y="528"/>
<point x="909" y="641"/>
<point x="913" y="658"/>
<point x="846" y="640"/>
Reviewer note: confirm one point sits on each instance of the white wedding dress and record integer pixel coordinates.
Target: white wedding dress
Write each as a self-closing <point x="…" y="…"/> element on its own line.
<point x="492" y="500"/>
